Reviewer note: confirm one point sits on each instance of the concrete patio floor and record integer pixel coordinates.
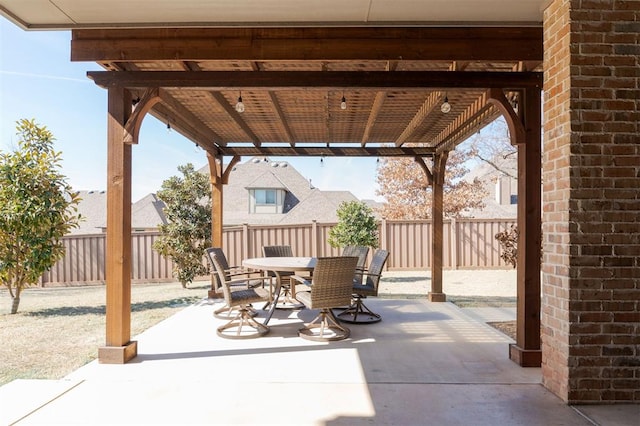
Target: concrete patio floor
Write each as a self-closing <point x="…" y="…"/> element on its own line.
<point x="424" y="364"/>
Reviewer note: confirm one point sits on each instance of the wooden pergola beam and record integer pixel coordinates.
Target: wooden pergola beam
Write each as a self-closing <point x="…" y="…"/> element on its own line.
<point x="423" y="112"/>
<point x="317" y="80"/>
<point x="185" y="128"/>
<point x="282" y="117"/>
<point x="328" y="44"/>
<point x="333" y="151"/>
<point x="235" y="116"/>
<point x="373" y="115"/>
<point x="206" y="136"/>
<point x="460" y="127"/>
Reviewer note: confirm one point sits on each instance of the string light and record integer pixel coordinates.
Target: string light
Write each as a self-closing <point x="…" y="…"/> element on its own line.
<point x="168" y="127"/>
<point x="240" y="104"/>
<point x="343" y="103"/>
<point x="446" y="106"/>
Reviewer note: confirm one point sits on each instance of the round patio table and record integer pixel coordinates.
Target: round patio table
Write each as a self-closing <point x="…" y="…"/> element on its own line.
<point x="277" y="265"/>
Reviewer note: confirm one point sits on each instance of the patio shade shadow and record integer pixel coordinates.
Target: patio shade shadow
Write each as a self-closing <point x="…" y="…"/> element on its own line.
<point x="101" y="309"/>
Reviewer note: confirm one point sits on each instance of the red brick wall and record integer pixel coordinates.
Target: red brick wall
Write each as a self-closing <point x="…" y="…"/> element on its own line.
<point x="591" y="214"/>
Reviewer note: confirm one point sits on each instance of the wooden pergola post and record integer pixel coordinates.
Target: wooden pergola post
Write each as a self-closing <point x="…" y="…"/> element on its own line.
<point x="119" y="348"/>
<point x="437" y="222"/>
<point x="527" y="351"/>
<point x="215" y="177"/>
<point x="218" y="179"/>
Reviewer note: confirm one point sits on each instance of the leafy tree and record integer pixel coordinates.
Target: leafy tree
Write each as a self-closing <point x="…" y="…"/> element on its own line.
<point x="37" y="208"/>
<point x="404" y="185"/>
<point x="356" y="226"/>
<point x="188" y="231"/>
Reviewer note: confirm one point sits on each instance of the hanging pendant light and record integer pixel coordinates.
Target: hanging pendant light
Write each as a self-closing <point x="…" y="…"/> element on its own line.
<point x="446" y="106"/>
<point x="240" y="104"/>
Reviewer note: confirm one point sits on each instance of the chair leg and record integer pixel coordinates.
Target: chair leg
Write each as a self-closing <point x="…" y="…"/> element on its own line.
<point x="359" y="313"/>
<point x="287" y="298"/>
<point x="227" y="312"/>
<point x="326" y="322"/>
<point x="244" y="318"/>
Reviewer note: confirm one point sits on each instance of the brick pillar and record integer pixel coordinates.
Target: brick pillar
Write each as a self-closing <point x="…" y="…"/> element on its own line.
<point x="591" y="202"/>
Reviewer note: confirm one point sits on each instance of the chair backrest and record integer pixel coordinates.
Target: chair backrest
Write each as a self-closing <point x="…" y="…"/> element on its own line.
<point x="361" y="253"/>
<point x="222" y="260"/>
<point x="219" y="261"/>
<point x="277" y="251"/>
<point x="375" y="268"/>
<point x="332" y="283"/>
<point x="358" y="251"/>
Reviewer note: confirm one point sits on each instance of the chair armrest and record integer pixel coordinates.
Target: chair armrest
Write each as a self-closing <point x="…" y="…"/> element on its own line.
<point x="247" y="280"/>
<point x="239" y="270"/>
<point x="301" y="280"/>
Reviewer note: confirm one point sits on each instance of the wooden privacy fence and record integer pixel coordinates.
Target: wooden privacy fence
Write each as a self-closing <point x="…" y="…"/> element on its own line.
<point x="468" y="244"/>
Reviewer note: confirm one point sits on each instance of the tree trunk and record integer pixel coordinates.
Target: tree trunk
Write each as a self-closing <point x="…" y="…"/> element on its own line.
<point x="15" y="301"/>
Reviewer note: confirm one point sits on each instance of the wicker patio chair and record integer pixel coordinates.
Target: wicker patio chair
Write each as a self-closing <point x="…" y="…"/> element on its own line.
<point x="250" y="279"/>
<point x="288" y="288"/>
<point x="240" y="299"/>
<point x="329" y="287"/>
<point x="361" y="253"/>
<point x="358" y="312"/>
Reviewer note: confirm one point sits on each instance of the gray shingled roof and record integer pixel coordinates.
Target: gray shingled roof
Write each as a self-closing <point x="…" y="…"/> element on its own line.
<point x="93" y="210"/>
<point x="488" y="175"/>
<point x="319" y="205"/>
<point x="146" y="213"/>
<point x="267" y="180"/>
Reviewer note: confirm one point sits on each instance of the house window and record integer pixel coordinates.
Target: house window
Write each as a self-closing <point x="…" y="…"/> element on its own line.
<point x="265" y="197"/>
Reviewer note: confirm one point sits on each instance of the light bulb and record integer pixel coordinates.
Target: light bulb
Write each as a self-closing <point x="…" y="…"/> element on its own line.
<point x="446" y="106"/>
<point x="240" y="105"/>
<point x="168" y="127"/>
<point x="343" y="104"/>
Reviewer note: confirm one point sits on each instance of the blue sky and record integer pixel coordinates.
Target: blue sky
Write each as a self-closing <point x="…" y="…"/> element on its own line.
<point x="38" y="80"/>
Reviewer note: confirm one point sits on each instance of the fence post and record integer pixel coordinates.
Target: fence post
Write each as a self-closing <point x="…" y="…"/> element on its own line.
<point x="245" y="241"/>
<point x="382" y="233"/>
<point x="453" y="229"/>
<point x="314" y="238"/>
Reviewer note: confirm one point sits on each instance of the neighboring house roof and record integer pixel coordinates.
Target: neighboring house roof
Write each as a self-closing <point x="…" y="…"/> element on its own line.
<point x="319" y="205"/>
<point x="267" y="180"/>
<point x="264" y="173"/>
<point x="376" y="206"/>
<point x="93" y="211"/>
<point x="148" y="212"/>
<point x="490" y="177"/>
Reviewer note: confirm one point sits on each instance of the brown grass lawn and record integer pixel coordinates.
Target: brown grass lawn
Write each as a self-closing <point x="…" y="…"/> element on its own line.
<point x="57" y="330"/>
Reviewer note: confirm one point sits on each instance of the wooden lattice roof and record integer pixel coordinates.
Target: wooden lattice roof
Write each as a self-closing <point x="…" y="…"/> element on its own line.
<point x="292" y="81"/>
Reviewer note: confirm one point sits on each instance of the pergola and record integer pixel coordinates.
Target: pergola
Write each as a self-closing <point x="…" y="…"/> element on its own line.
<point x="292" y="78"/>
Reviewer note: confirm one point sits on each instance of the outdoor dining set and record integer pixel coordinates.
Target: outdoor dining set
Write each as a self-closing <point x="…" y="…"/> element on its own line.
<point x="280" y="280"/>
